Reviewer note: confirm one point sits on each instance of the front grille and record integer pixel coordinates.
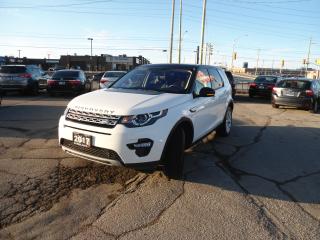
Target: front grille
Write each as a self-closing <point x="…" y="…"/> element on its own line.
<point x="96" y="119"/>
<point x="92" y="151"/>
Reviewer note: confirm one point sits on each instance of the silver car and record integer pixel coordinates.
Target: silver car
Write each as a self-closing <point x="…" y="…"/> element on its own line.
<point x="24" y="78"/>
<point x="109" y="77"/>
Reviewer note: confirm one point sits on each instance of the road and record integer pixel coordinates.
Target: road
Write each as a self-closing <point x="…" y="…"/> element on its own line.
<point x="262" y="182"/>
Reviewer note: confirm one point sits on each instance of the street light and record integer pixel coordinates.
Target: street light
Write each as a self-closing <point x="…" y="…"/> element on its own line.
<point x="233" y="47"/>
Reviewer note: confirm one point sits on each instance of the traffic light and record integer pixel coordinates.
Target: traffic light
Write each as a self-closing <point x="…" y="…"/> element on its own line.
<point x="304" y="61"/>
<point x="282" y="63"/>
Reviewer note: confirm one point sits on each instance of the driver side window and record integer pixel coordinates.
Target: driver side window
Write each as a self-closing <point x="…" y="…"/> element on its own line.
<point x="202" y="80"/>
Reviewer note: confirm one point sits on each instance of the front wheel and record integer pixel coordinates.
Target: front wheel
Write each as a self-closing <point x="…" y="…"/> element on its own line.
<point x="225" y="128"/>
<point x="173" y="158"/>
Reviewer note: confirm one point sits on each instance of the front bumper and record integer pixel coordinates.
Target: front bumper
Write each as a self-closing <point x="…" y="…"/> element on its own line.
<point x="114" y="146"/>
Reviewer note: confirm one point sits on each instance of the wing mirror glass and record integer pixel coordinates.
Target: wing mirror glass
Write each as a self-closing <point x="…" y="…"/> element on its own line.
<point x="206" y="92"/>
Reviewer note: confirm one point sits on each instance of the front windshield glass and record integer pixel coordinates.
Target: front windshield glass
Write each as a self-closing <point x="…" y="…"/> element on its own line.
<point x="161" y="80"/>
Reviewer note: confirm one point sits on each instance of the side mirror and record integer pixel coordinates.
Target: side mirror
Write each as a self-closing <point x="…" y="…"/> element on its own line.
<point x="206" y="92"/>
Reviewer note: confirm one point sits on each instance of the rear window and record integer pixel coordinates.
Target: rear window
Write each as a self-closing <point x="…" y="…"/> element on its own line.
<point x="295" y="84"/>
<point x="13" y="69"/>
<point x="114" y="74"/>
<point x="65" y="74"/>
<point x="268" y="79"/>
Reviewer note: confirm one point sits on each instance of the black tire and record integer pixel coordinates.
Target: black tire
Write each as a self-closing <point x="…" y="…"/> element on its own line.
<point x="251" y="95"/>
<point x="315" y="107"/>
<point x="225" y="127"/>
<point x="173" y="157"/>
<point x="51" y="93"/>
<point x="34" y="89"/>
<point x="275" y="105"/>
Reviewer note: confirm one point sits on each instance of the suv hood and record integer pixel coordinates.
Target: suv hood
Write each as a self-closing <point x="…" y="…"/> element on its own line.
<point x="126" y="102"/>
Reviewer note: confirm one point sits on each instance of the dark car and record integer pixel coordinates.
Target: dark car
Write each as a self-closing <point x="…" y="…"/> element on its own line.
<point x="232" y="82"/>
<point x="43" y="80"/>
<point x="262" y="86"/>
<point x="300" y="93"/>
<point x="23" y="78"/>
<point x="68" y="81"/>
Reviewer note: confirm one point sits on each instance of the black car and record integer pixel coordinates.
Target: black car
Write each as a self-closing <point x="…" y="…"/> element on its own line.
<point x="232" y="82"/>
<point x="300" y="93"/>
<point x="68" y="81"/>
<point x="23" y="78"/>
<point x="262" y="86"/>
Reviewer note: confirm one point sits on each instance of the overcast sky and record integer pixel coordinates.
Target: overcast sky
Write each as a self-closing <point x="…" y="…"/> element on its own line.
<point x="281" y="29"/>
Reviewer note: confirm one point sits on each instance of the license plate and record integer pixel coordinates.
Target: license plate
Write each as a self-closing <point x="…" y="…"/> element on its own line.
<point x="62" y="83"/>
<point x="290" y="94"/>
<point x="261" y="87"/>
<point x="82" y="140"/>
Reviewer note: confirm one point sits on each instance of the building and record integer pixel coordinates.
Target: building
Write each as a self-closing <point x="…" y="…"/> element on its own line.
<point x="44" y="63"/>
<point x="103" y="62"/>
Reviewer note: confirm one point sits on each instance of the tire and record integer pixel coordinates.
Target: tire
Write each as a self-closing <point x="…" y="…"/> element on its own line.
<point x="251" y="95"/>
<point x="275" y="105"/>
<point x="173" y="157"/>
<point x="51" y="93"/>
<point x="315" y="107"/>
<point x="34" y="90"/>
<point x="225" y="128"/>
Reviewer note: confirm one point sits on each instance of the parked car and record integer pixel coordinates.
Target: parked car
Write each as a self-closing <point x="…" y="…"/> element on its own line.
<point x="23" y="78"/>
<point x="262" y="85"/>
<point x="299" y="92"/>
<point x="232" y="83"/>
<point x="43" y="80"/>
<point x="68" y="81"/>
<point x="97" y="77"/>
<point x="109" y="77"/>
<point x="149" y="116"/>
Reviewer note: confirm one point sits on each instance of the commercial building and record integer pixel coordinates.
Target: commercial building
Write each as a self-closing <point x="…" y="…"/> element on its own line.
<point x="103" y="62"/>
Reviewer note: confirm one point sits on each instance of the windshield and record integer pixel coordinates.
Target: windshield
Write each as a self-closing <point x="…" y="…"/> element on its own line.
<point x="267" y="79"/>
<point x="161" y="80"/>
<point x="294" y="84"/>
<point x="114" y="74"/>
<point x="13" y="69"/>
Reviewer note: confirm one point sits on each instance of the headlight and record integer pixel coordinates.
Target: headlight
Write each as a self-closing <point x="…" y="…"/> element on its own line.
<point x="66" y="111"/>
<point x="142" y="120"/>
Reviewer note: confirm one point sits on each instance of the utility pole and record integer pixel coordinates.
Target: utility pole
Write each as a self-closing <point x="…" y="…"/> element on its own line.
<point x="19" y="52"/>
<point x="308" y="57"/>
<point x="203" y="29"/>
<point x="197" y="55"/>
<point x="91" y="39"/>
<point x="180" y="32"/>
<point x="171" y="35"/>
<point x="257" y="62"/>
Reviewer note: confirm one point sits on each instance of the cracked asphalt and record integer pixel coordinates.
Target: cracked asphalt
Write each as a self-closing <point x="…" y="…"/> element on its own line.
<point x="261" y="182"/>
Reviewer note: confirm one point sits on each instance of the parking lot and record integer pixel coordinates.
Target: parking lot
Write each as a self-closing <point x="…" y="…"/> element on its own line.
<point x="262" y="182"/>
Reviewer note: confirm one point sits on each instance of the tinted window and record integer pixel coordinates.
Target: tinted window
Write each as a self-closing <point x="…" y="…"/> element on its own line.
<point x="65" y="75"/>
<point x="267" y="79"/>
<point x="114" y="74"/>
<point x="229" y="76"/>
<point x="202" y="80"/>
<point x="294" y="84"/>
<point x="13" y="69"/>
<point x="216" y="79"/>
<point x="162" y="80"/>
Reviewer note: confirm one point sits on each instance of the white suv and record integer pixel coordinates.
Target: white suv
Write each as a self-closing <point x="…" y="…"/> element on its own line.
<point x="149" y="116"/>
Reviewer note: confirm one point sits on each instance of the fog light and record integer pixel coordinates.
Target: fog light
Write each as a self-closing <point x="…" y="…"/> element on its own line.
<point x="142" y="147"/>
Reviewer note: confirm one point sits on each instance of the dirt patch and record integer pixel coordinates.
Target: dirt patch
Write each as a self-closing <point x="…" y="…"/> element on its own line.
<point x="34" y="195"/>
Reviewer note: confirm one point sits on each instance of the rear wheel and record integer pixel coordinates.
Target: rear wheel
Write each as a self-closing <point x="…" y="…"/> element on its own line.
<point x="34" y="89"/>
<point x="225" y="128"/>
<point x="315" y="107"/>
<point x="275" y="105"/>
<point x="251" y="95"/>
<point x="173" y="158"/>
